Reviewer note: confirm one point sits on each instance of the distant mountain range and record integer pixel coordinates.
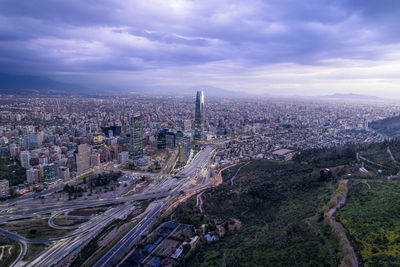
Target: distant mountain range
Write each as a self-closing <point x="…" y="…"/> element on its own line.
<point x="208" y="91"/>
<point x="352" y="96"/>
<point x="18" y="84"/>
<point x="22" y="84"/>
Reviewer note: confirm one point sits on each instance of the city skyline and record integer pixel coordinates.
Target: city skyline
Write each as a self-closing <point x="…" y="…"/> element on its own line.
<point x="273" y="47"/>
<point x="199" y="133"/>
<point x="157" y="177"/>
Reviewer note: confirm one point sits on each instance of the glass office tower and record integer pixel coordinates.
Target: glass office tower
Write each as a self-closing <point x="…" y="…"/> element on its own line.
<point x="199" y="117"/>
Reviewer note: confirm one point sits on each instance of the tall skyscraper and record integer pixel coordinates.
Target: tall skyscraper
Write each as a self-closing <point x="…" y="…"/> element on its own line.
<point x="136" y="136"/>
<point x="199" y="117"/>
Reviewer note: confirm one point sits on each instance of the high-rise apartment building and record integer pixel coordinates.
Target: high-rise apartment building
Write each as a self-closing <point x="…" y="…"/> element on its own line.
<point x="82" y="159"/>
<point x="186" y="125"/>
<point x="136" y="131"/>
<point x="50" y="173"/>
<point x="199" y="117"/>
<point x="30" y="176"/>
<point x="31" y="141"/>
<point x="13" y="150"/>
<point x="184" y="150"/>
<point x="25" y="157"/>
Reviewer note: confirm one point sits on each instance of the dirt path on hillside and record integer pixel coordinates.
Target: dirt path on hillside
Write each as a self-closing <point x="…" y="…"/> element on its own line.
<point x="341" y="203"/>
<point x="391" y="155"/>
<point x="340" y="227"/>
<point x="234" y="176"/>
<point x="200" y="202"/>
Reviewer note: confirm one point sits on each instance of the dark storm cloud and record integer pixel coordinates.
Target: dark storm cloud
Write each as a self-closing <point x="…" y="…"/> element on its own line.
<point x="88" y="36"/>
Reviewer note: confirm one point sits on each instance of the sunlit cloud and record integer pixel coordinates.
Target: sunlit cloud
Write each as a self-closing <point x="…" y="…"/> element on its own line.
<point x="277" y="47"/>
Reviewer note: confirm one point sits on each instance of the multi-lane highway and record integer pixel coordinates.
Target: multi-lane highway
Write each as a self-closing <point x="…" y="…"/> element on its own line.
<point x="194" y="177"/>
<point x="193" y="170"/>
<point x="128" y="241"/>
<point x="84" y="233"/>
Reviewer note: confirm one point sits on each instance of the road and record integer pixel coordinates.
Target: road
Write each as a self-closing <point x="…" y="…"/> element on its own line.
<point x="126" y="243"/>
<point x="85" y="232"/>
<point x="55" y="226"/>
<point x="195" y="177"/>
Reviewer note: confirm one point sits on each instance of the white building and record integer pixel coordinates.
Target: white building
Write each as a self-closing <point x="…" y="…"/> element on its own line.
<point x="123" y="157"/>
<point x="25" y="157"/>
<point x="30" y="176"/>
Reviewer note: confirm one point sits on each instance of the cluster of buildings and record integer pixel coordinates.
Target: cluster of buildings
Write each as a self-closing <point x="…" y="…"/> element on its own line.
<point x="57" y="138"/>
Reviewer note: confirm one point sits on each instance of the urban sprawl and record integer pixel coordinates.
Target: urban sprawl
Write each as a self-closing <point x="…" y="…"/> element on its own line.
<point x="72" y="153"/>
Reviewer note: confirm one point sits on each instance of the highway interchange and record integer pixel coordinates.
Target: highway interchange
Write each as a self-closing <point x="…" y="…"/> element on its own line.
<point x="163" y="191"/>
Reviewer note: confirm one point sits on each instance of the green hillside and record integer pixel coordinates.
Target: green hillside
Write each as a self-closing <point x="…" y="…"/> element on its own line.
<point x="274" y="206"/>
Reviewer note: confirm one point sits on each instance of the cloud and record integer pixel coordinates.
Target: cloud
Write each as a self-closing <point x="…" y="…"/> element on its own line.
<point x="132" y="40"/>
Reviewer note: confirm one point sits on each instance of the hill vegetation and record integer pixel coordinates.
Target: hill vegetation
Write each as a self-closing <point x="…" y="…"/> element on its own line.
<point x="265" y="217"/>
<point x="372" y="217"/>
<point x="277" y="213"/>
<point x="9" y="251"/>
<point x="389" y="126"/>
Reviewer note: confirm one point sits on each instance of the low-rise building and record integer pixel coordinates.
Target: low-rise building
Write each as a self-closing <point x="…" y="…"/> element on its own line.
<point x="63" y="173"/>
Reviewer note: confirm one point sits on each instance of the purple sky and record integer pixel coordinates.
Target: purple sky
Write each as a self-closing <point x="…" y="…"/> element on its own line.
<point x="309" y="47"/>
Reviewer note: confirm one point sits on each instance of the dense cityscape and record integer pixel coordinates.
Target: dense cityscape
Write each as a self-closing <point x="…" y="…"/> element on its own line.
<point x="199" y="133"/>
<point x="82" y="153"/>
<point x="57" y="138"/>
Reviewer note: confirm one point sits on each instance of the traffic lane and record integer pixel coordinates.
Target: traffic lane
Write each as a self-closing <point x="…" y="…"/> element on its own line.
<point x="123" y="246"/>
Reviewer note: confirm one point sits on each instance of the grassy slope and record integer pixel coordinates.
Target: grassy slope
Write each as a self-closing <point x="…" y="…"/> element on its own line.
<point x="33" y="250"/>
<point x="372" y="217"/>
<point x="273" y="201"/>
<point x="64" y="221"/>
<point x="377" y="153"/>
<point x="8" y="259"/>
<point x="35" y="229"/>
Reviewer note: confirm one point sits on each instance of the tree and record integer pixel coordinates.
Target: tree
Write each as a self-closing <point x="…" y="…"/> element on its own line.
<point x="322" y="176"/>
<point x="67" y="188"/>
